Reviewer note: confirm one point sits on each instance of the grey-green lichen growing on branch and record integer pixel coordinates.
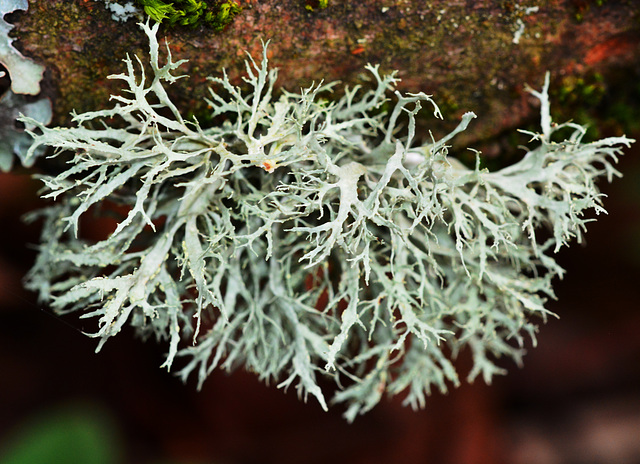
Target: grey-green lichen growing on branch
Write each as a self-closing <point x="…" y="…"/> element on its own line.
<point x="303" y="238"/>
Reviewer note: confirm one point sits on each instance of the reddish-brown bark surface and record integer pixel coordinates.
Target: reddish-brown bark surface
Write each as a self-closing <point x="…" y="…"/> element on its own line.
<point x="471" y="55"/>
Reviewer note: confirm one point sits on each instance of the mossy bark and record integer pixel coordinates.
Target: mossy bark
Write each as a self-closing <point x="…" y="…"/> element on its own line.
<point x="471" y="55"/>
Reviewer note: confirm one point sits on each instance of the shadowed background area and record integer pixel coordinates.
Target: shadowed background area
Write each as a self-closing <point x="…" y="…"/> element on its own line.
<point x="576" y="400"/>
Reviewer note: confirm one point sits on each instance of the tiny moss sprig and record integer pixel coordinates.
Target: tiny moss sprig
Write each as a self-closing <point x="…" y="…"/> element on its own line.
<point x="311" y="5"/>
<point x="191" y="13"/>
<point x="304" y="237"/>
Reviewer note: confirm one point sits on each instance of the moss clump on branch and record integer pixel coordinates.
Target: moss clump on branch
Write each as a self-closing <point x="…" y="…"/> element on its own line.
<point x="311" y="5"/>
<point x="191" y="13"/>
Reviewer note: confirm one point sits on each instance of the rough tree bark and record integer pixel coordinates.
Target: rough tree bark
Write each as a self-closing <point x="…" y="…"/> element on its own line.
<point x="471" y="55"/>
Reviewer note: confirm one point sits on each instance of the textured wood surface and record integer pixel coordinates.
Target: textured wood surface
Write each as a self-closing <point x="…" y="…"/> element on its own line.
<point x="471" y="55"/>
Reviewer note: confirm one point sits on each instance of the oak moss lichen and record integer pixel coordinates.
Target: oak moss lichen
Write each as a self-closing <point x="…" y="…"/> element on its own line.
<point x="303" y="237"/>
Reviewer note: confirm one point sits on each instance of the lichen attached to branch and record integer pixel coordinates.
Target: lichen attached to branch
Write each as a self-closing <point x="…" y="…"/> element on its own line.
<point x="302" y="237"/>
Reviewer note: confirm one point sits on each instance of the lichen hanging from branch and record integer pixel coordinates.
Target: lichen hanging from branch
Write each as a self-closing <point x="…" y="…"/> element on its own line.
<point x="302" y="237"/>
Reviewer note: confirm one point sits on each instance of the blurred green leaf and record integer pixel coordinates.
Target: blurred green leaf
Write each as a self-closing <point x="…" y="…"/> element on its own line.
<point x="68" y="436"/>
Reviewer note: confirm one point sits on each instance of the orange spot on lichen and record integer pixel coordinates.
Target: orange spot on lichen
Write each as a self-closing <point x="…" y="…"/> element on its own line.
<point x="357" y="51"/>
<point x="268" y="165"/>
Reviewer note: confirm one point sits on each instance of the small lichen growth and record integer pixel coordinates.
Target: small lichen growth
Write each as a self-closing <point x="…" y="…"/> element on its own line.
<point x="301" y="237"/>
<point x="19" y="76"/>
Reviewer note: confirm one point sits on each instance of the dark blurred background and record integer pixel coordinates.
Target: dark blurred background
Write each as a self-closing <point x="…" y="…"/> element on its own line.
<point x="576" y="400"/>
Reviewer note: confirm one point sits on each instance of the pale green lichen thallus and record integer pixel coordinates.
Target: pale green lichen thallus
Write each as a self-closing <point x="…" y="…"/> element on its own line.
<point x="303" y="237"/>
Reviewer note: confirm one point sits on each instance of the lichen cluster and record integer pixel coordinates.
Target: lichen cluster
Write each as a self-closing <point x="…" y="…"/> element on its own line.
<point x="301" y="237"/>
<point x="19" y="81"/>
